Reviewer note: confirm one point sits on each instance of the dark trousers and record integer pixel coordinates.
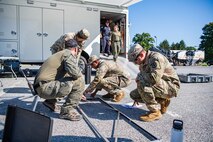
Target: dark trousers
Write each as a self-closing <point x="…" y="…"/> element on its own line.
<point x="106" y="46"/>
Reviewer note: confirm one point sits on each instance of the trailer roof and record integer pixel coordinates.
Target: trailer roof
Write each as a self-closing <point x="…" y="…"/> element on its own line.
<point x="119" y="3"/>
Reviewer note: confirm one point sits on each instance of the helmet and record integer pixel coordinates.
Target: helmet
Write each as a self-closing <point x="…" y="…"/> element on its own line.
<point x="92" y="59"/>
<point x="134" y="51"/>
<point x="83" y="33"/>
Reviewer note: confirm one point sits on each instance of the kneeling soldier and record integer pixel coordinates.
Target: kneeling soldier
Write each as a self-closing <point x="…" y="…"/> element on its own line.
<point x="110" y="77"/>
<point x="58" y="77"/>
<point x="157" y="81"/>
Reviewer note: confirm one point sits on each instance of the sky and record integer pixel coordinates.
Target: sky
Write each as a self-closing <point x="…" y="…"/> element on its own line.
<point x="173" y="20"/>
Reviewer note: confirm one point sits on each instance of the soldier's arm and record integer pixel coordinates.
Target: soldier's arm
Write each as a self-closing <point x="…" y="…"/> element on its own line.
<point x="101" y="72"/>
<point x="156" y="70"/>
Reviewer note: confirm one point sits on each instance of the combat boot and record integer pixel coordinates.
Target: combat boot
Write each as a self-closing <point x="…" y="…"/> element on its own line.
<point x="118" y="96"/>
<point x="151" y="116"/>
<point x="71" y="115"/>
<point x="107" y="96"/>
<point x="164" y="103"/>
<point x="52" y="105"/>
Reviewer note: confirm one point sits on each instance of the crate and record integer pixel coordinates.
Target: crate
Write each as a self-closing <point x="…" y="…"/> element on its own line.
<point x="195" y="78"/>
<point x="6" y="63"/>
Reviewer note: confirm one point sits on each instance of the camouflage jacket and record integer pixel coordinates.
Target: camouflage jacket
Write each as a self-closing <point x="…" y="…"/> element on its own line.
<point x="107" y="69"/>
<point x="156" y="67"/>
<point x="57" y="66"/>
<point x="60" y="43"/>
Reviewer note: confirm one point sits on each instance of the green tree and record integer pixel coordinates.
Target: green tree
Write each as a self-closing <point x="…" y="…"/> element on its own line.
<point x="165" y="45"/>
<point x="190" y="48"/>
<point x="182" y="45"/>
<point x="207" y="41"/>
<point x="144" y="39"/>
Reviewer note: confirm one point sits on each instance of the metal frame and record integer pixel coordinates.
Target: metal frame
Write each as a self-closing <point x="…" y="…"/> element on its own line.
<point x="119" y="113"/>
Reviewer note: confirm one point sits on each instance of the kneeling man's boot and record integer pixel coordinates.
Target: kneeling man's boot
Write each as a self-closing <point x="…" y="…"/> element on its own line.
<point x="151" y="116"/>
<point x="118" y="96"/>
<point x="164" y="103"/>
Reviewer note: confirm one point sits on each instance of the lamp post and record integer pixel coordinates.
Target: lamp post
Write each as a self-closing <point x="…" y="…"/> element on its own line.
<point x="156" y="40"/>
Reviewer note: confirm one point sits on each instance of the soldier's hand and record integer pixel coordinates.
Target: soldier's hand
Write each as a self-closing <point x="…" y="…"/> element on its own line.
<point x="135" y="103"/>
<point x="83" y="98"/>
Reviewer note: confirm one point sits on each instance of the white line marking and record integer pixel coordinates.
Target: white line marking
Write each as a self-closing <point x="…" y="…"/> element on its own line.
<point x="173" y="114"/>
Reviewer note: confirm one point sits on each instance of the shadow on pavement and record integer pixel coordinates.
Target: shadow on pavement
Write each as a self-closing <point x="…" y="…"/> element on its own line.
<point x="97" y="110"/>
<point x="17" y="90"/>
<point x="61" y="138"/>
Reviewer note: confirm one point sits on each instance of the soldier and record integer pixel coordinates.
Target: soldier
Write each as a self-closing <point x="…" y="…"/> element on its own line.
<point x="116" y="42"/>
<point x="106" y="39"/>
<point x="110" y="77"/>
<point x="60" y="76"/>
<point x="157" y="81"/>
<point x="81" y="36"/>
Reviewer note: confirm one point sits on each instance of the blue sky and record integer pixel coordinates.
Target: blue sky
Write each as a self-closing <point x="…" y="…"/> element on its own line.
<point x="173" y="20"/>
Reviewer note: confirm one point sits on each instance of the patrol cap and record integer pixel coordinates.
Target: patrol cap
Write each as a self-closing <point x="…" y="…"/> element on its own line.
<point x="134" y="51"/>
<point x="71" y="43"/>
<point x="92" y="59"/>
<point x="83" y="33"/>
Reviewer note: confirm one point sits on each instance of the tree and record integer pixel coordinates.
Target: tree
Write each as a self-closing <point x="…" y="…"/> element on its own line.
<point x="190" y="48"/>
<point x="182" y="45"/>
<point x="207" y="41"/>
<point x="165" y="45"/>
<point x="144" y="39"/>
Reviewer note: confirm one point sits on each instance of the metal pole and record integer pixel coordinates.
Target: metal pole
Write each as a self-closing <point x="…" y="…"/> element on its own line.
<point x="145" y="133"/>
<point x="91" y="125"/>
<point x="116" y="127"/>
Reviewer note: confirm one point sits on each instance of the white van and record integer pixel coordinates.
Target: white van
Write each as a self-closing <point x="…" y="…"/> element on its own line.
<point x="28" y="28"/>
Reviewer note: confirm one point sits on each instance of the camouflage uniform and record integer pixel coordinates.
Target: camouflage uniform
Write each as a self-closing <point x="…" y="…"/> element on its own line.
<point x="60" y="76"/>
<point x="110" y="77"/>
<point x="156" y="79"/>
<point x="60" y="43"/>
<point x="116" y="44"/>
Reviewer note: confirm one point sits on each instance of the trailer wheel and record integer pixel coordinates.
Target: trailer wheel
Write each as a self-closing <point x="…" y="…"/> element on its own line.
<point x="28" y="72"/>
<point x="82" y="64"/>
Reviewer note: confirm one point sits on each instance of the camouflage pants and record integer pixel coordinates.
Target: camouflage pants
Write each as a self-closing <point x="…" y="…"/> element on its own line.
<point x="116" y="47"/>
<point x="113" y="84"/>
<point x="72" y="89"/>
<point x="165" y="89"/>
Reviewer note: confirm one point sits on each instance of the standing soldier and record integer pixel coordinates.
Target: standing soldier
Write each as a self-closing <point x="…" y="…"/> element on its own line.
<point x="116" y="42"/>
<point x="106" y="39"/>
<point x="157" y="81"/>
<point x="110" y="77"/>
<point x="60" y="76"/>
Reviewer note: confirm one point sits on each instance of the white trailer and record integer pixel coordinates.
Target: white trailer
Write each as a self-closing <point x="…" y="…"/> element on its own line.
<point x="29" y="27"/>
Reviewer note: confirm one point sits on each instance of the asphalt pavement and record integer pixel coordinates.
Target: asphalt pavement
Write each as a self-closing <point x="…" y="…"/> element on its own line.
<point x="193" y="105"/>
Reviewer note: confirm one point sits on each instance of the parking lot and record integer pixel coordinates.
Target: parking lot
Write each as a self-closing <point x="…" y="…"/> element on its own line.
<point x="193" y="105"/>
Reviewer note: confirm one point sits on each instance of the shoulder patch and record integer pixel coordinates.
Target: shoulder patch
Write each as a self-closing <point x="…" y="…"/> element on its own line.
<point x="155" y="64"/>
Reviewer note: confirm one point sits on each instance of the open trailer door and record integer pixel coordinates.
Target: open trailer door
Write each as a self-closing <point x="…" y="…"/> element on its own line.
<point x="115" y="19"/>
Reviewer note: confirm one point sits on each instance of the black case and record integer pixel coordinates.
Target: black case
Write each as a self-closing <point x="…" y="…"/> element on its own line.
<point x="22" y="125"/>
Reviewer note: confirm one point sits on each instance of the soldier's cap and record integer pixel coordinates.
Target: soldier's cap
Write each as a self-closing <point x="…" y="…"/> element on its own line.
<point x="71" y="43"/>
<point x="92" y="59"/>
<point x="83" y="33"/>
<point x="134" y="51"/>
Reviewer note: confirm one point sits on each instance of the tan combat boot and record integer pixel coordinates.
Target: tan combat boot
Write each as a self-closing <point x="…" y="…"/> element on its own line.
<point x="119" y="96"/>
<point x="164" y="103"/>
<point x="151" y="116"/>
